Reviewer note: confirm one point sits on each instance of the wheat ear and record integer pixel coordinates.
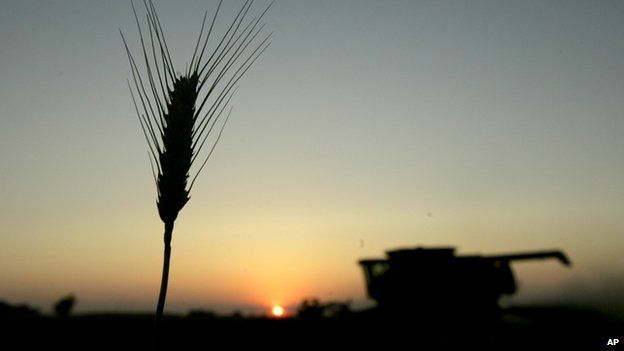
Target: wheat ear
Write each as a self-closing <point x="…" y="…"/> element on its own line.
<point x="180" y="114"/>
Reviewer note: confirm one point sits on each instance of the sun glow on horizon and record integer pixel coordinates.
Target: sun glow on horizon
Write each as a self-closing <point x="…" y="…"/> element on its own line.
<point x="277" y="311"/>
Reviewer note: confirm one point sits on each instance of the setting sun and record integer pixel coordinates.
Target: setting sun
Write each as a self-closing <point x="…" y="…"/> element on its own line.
<point x="278" y="311"/>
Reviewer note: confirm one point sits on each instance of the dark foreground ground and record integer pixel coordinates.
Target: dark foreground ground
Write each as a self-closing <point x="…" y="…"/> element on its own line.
<point x="527" y="328"/>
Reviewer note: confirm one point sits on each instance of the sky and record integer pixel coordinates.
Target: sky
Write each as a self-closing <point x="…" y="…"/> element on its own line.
<point x="491" y="126"/>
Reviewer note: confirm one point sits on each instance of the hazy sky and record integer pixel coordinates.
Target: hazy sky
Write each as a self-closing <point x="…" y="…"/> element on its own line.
<point x="493" y="126"/>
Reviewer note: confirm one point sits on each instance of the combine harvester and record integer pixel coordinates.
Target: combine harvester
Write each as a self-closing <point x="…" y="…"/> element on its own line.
<point x="434" y="283"/>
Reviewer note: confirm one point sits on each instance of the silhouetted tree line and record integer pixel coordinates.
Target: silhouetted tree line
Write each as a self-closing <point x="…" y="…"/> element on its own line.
<point x="17" y="311"/>
<point x="62" y="308"/>
<point x="314" y="309"/>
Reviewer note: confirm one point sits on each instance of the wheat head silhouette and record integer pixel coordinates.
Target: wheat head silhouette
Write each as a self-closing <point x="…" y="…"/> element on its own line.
<point x="181" y="114"/>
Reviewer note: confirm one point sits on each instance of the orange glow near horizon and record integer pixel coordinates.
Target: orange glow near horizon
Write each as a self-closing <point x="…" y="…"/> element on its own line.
<point x="277" y="311"/>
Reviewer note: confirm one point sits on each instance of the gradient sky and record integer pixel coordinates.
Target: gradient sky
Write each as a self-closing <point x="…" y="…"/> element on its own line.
<point x="493" y="126"/>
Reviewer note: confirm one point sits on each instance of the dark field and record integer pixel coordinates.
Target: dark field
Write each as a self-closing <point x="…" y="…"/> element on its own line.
<point x="556" y="328"/>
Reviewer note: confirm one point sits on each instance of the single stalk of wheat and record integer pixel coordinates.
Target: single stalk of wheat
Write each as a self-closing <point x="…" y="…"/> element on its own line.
<point x="178" y="112"/>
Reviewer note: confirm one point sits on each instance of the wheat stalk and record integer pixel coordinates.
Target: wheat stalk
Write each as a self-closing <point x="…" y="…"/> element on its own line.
<point x="181" y="113"/>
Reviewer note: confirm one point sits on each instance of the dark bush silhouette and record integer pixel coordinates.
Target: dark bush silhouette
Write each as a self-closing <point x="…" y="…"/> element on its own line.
<point x="202" y="314"/>
<point x="64" y="306"/>
<point x="17" y="311"/>
<point x="337" y="309"/>
<point x="310" y="309"/>
<point x="314" y="309"/>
